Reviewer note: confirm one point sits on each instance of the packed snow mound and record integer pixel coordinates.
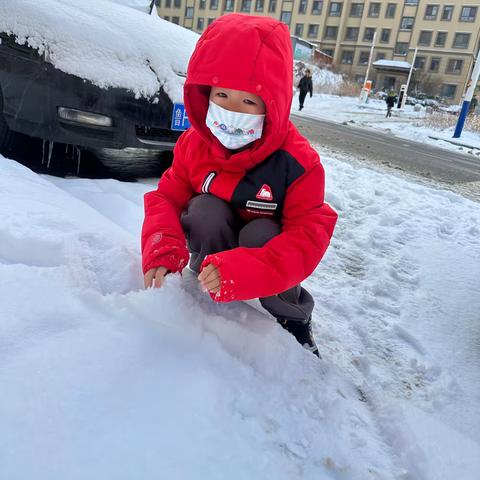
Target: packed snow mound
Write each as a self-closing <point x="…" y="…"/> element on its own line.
<point x="101" y="379"/>
<point x="110" y="44"/>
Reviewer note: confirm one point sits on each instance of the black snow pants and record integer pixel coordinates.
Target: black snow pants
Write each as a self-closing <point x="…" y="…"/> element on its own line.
<point x="301" y="97"/>
<point x="211" y="226"/>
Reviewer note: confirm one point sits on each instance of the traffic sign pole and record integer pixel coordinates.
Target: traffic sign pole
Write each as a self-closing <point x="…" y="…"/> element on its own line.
<point x="404" y="98"/>
<point x="468" y="98"/>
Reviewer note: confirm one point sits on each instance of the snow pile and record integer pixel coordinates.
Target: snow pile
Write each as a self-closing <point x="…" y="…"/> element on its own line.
<point x="110" y="44"/>
<point x="100" y="379"/>
<point x="323" y="79"/>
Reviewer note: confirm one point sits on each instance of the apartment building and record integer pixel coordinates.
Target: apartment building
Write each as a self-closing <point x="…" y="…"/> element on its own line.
<point x="445" y="33"/>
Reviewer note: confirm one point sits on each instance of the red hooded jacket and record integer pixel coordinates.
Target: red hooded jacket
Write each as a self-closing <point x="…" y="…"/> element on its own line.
<point x="251" y="54"/>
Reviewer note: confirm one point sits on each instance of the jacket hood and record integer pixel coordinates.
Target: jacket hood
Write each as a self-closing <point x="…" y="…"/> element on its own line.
<point x="248" y="53"/>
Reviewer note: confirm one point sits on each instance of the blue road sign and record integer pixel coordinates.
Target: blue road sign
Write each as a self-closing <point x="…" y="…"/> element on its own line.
<point x="179" y="117"/>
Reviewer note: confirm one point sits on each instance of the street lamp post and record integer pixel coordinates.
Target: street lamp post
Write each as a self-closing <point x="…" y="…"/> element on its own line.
<point x="370" y="58"/>
<point x="412" y="67"/>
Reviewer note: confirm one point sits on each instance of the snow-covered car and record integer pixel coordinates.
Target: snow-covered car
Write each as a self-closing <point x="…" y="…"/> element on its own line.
<point x="94" y="74"/>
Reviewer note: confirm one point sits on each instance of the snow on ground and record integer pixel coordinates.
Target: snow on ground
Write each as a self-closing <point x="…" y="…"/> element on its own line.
<point x="407" y="124"/>
<point x="101" y="379"/>
<point x="110" y="44"/>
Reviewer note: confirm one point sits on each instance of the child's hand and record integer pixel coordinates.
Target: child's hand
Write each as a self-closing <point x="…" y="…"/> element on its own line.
<point x="155" y="276"/>
<point x="209" y="279"/>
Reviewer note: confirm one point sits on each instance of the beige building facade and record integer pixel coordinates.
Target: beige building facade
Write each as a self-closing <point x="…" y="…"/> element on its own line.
<point x="445" y="33"/>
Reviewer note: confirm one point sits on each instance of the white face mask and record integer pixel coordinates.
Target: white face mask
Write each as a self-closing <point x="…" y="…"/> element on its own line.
<point x="233" y="129"/>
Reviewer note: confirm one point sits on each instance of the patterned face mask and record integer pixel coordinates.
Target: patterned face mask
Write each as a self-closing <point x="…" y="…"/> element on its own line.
<point x="233" y="129"/>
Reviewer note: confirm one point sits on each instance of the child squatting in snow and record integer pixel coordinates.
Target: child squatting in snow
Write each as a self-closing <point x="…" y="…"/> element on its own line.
<point x="245" y="193"/>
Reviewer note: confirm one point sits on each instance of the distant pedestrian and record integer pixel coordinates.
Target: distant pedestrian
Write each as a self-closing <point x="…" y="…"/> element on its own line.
<point x="305" y="85"/>
<point x="391" y="100"/>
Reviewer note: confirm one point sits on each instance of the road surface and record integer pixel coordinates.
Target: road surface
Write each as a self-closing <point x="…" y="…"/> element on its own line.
<point x="456" y="171"/>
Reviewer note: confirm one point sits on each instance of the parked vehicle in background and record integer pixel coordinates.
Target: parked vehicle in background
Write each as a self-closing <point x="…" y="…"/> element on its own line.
<point x="66" y="78"/>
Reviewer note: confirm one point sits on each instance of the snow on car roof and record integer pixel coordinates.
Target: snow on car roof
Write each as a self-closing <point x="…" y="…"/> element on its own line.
<point x="110" y="44"/>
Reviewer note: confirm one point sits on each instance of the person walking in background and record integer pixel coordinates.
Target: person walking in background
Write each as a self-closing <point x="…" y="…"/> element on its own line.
<point x="391" y="100"/>
<point x="305" y="85"/>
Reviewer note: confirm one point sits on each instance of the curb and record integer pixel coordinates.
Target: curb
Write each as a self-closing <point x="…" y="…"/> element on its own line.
<point x="454" y="142"/>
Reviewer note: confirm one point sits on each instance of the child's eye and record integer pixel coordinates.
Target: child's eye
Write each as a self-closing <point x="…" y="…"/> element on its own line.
<point x="249" y="102"/>
<point x="222" y="95"/>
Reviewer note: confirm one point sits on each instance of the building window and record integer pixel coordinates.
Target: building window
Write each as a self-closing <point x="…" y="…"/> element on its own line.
<point x="286" y="17"/>
<point x="454" y="66"/>
<point x="347" y="57"/>
<point x="468" y="14"/>
<point x="448" y="91"/>
<point x="380" y="56"/>
<point x="401" y="48"/>
<point x="188" y="12"/>
<point x="368" y="34"/>
<point x="419" y="63"/>
<point x="168" y="3"/>
<point x="441" y="39"/>
<point x="200" y="23"/>
<point x="360" y="79"/>
<point x="176" y="20"/>
<point x="328" y="51"/>
<point x="385" y="36"/>
<point x="356" y="10"/>
<point x="299" y="29"/>
<point x="335" y="9"/>
<point x="374" y="10"/>
<point x="210" y="20"/>
<point x="272" y="5"/>
<point x="407" y="23"/>
<point x="177" y="3"/>
<point x="447" y="13"/>
<point x="229" y="5"/>
<point x="213" y="4"/>
<point x="363" y="58"/>
<point x="391" y="8"/>
<point x="431" y="12"/>
<point x="411" y="2"/>
<point x="259" y="5"/>
<point x="302" y="7"/>
<point x="435" y="64"/>
<point x="425" y="38"/>
<point x="246" y="5"/>
<point x="317" y="7"/>
<point x="331" y="33"/>
<point x="312" y="31"/>
<point x="351" y="33"/>
<point x="461" y="40"/>
<point x="201" y="5"/>
<point x="167" y="18"/>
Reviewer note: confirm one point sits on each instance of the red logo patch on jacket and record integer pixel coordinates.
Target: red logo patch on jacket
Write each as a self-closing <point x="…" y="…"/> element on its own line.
<point x="265" y="193"/>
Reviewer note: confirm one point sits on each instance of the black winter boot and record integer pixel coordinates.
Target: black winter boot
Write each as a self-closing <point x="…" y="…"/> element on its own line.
<point x="302" y="332"/>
